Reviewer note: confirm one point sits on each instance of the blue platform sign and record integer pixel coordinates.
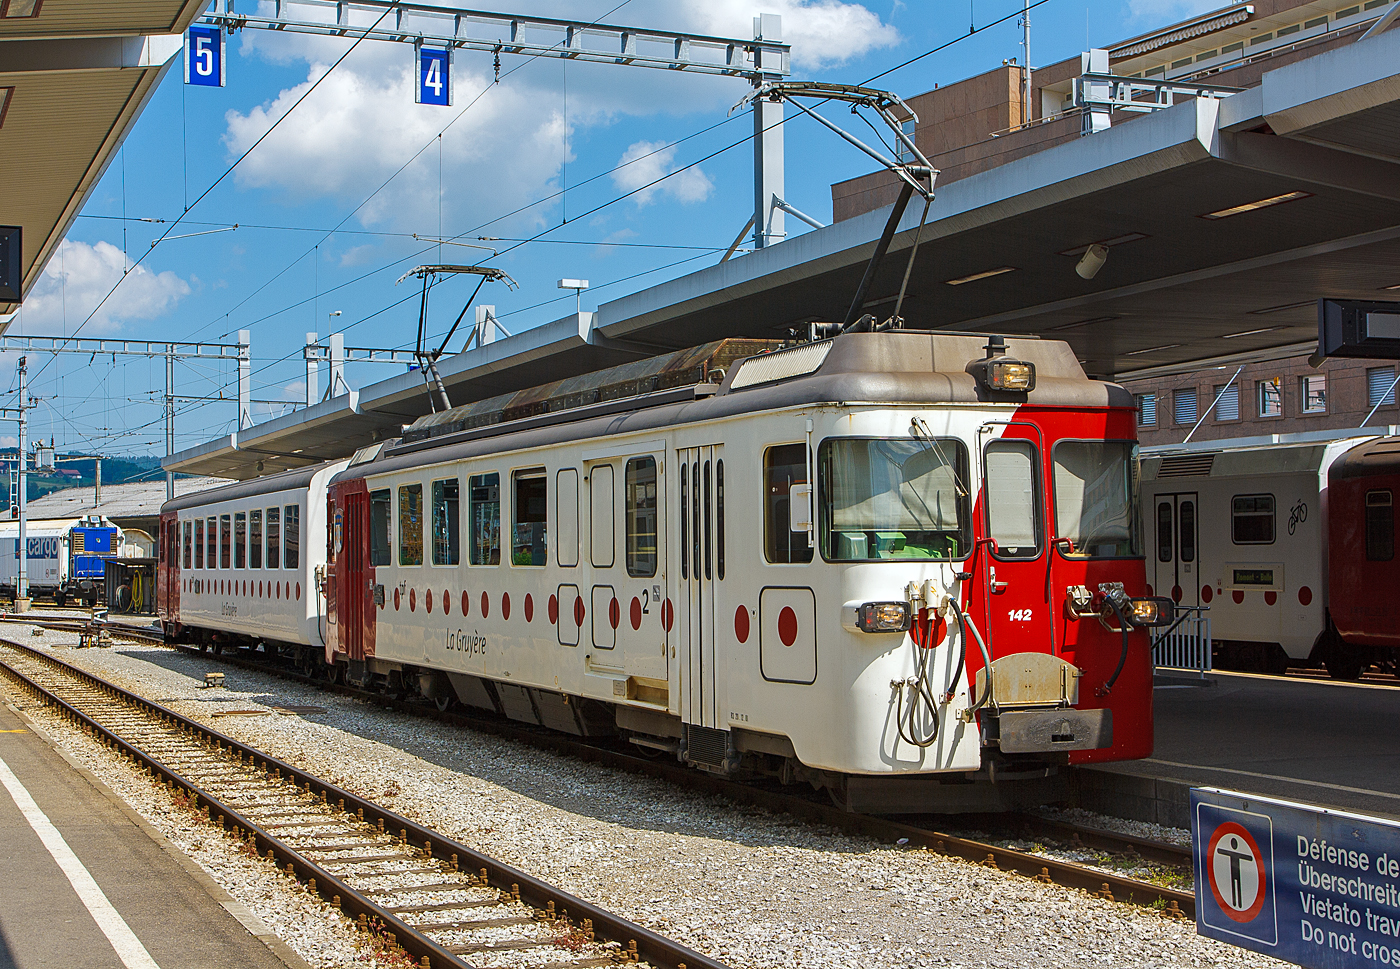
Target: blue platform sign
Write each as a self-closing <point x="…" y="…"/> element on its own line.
<point x="434" y="75"/>
<point x="204" y="56"/>
<point x="1303" y="884"/>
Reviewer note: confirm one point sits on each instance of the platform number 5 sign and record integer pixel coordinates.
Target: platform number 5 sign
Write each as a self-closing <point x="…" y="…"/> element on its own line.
<point x="434" y="75"/>
<point x="204" y="56"/>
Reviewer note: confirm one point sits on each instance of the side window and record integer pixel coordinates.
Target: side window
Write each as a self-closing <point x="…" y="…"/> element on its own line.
<point x="1164" y="531"/>
<point x="1013" y="498"/>
<point x="212" y="532"/>
<point x="255" y="539"/>
<point x="784" y="469"/>
<point x="274" y="538"/>
<point x="225" y="541"/>
<point x="484" y="493"/>
<point x="447" y="524"/>
<point x="1380" y="526"/>
<point x="199" y="543"/>
<point x="685" y="520"/>
<point x="1187" y="514"/>
<point x="189" y="545"/>
<point x="379" y="527"/>
<point x="291" y="537"/>
<point x="529" y="508"/>
<point x="1252" y="519"/>
<point x="566" y="518"/>
<point x="602" y="551"/>
<point x="240" y="540"/>
<point x="411" y="524"/>
<point x="641" y="517"/>
<point x="719" y="518"/>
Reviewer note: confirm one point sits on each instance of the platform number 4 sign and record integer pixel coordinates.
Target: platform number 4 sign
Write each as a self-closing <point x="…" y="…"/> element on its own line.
<point x="434" y="75"/>
<point x="204" y="56"/>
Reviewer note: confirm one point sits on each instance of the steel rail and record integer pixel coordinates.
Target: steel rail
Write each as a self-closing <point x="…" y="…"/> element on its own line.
<point x="1103" y="884"/>
<point x="636" y="942"/>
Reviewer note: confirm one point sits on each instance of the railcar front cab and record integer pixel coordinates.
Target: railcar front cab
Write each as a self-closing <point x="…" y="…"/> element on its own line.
<point x="1033" y="548"/>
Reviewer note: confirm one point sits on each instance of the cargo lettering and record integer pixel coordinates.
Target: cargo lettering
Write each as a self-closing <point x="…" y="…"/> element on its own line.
<point x="473" y="643"/>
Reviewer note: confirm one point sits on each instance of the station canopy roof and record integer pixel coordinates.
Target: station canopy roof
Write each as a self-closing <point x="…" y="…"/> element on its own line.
<point x="1225" y="221"/>
<point x="74" y="76"/>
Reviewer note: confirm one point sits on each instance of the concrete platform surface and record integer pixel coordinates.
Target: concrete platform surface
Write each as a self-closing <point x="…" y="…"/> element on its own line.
<point x="1315" y="741"/>
<point x="161" y="910"/>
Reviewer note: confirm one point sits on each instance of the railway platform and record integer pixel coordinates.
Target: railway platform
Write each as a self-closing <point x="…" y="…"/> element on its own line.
<point x="1317" y="741"/>
<point x="86" y="884"/>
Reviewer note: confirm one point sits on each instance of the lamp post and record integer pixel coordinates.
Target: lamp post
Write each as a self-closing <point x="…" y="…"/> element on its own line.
<point x="578" y="286"/>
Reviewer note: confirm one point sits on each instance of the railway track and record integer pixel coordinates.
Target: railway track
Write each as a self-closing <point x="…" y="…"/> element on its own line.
<point x="1109" y="849"/>
<point x="420" y="893"/>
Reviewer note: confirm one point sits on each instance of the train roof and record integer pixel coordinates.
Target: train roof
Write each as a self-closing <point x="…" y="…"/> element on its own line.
<point x="281" y="481"/>
<point x="49" y="527"/>
<point x="733" y="377"/>
<point x="1378" y="456"/>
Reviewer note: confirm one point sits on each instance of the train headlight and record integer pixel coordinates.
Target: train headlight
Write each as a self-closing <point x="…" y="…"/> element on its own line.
<point x="1151" y="611"/>
<point x="883" y="617"/>
<point x="1010" y="375"/>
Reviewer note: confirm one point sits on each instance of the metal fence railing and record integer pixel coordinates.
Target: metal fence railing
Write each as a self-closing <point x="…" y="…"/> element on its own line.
<point x="1185" y="644"/>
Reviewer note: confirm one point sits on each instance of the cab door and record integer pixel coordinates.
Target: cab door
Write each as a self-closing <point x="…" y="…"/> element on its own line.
<point x="1176" y="566"/>
<point x="1012" y="565"/>
<point x="700" y="509"/>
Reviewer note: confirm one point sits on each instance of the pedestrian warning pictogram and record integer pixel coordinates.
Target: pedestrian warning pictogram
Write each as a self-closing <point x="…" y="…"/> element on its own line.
<point x="1237" y="877"/>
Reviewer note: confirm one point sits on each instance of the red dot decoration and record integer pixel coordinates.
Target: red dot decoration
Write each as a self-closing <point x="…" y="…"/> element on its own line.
<point x="579" y="611"/>
<point x="396" y="600"/>
<point x="529" y="608"/>
<point x="787" y="626"/>
<point x="553" y="610"/>
<point x="1207" y="593"/>
<point x="505" y="605"/>
<point x="668" y="615"/>
<point x="614" y="613"/>
<point x="446" y="603"/>
<point x="741" y="624"/>
<point x="1270" y="597"/>
<point x="466" y="603"/>
<point x="1176" y="593"/>
<point x="1238" y="596"/>
<point x="412" y="600"/>
<point x="635" y="613"/>
<point x="298" y="591"/>
<point x="428" y="601"/>
<point x="1304" y="596"/>
<point x="1149" y="588"/>
<point x="277" y="587"/>
<point x="485" y="605"/>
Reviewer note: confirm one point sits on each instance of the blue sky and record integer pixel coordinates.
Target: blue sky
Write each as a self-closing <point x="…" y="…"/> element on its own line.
<point x="540" y="150"/>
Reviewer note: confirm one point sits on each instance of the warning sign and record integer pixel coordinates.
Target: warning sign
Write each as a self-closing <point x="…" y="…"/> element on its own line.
<point x="1305" y="884"/>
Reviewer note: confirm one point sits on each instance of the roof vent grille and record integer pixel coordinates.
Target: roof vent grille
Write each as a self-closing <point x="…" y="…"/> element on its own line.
<point x="781" y="365"/>
<point x="1186" y="466"/>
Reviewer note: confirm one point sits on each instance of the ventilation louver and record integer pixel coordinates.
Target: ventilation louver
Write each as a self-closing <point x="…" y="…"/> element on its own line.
<point x="1186" y="466"/>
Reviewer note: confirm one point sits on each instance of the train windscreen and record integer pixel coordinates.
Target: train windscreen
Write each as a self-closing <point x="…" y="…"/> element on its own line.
<point x="1096" y="498"/>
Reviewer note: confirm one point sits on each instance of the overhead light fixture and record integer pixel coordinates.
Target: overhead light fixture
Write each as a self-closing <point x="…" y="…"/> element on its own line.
<point x="1284" y="306"/>
<point x="1115" y="241"/>
<point x="982" y="275"/>
<point x="1092" y="261"/>
<point x="1262" y="329"/>
<point x="1169" y="346"/>
<point x="1254" y="206"/>
<point x="1075" y="326"/>
<point x="1396" y="286"/>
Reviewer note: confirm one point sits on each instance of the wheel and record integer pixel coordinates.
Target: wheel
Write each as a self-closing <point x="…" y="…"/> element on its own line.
<point x="442" y="703"/>
<point x="1345" y="662"/>
<point x="331" y="671"/>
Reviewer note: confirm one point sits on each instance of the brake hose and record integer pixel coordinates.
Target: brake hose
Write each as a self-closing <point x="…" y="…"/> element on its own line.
<point x="1122" y="656"/>
<point x="968" y="625"/>
<point x="922" y="696"/>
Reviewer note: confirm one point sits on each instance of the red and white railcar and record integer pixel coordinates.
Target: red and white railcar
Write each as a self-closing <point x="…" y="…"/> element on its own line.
<point x="643" y="550"/>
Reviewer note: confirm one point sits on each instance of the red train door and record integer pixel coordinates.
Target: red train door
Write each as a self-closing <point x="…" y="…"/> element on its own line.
<point x="355" y="604"/>
<point x="168" y="578"/>
<point x="1012" y="568"/>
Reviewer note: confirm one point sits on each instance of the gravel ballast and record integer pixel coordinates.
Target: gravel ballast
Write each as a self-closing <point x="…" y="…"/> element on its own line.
<point x="747" y="887"/>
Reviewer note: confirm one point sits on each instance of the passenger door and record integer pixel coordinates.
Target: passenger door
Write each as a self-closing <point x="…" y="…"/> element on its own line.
<point x="350" y="536"/>
<point x="1175" y="530"/>
<point x="702" y="565"/>
<point x="1012" y="568"/>
<point x="169" y="584"/>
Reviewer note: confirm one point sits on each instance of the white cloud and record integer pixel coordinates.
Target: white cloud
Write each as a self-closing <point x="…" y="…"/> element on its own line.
<point x="361" y="125"/>
<point x="358" y="255"/>
<point x="1164" y="12"/>
<point x="646" y="161"/>
<point x="80" y="275"/>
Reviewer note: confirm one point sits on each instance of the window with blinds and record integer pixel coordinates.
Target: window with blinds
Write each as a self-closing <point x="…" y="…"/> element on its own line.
<point x="1380" y="386"/>
<point x="1185" y="408"/>
<point x="1228" y="407"/>
<point x="1147" y="410"/>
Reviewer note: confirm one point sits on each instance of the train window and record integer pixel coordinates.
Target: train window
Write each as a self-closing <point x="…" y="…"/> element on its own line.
<point x="291" y="537"/>
<point x="1186" y="515"/>
<point x="199" y="543"/>
<point x="274" y="537"/>
<point x="709" y="503"/>
<point x="255" y="539"/>
<point x="566" y="518"/>
<point x="225" y="541"/>
<point x="893" y="499"/>
<point x="188" y="546"/>
<point x="784" y="468"/>
<point x="1164" y="532"/>
<point x="1380" y="526"/>
<point x="379" y="527"/>
<point x="719" y="518"/>
<point x="1096" y="498"/>
<point x="212" y="533"/>
<point x="484" y="493"/>
<point x="529" y="508"/>
<point x="695" y="517"/>
<point x="641" y="517"/>
<point x="240" y="540"/>
<point x="1013" y="498"/>
<point x="1252" y="519"/>
<point x="447" y="527"/>
<point x="601" y="528"/>
<point x="411" y="524"/>
<point x="685" y="521"/>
